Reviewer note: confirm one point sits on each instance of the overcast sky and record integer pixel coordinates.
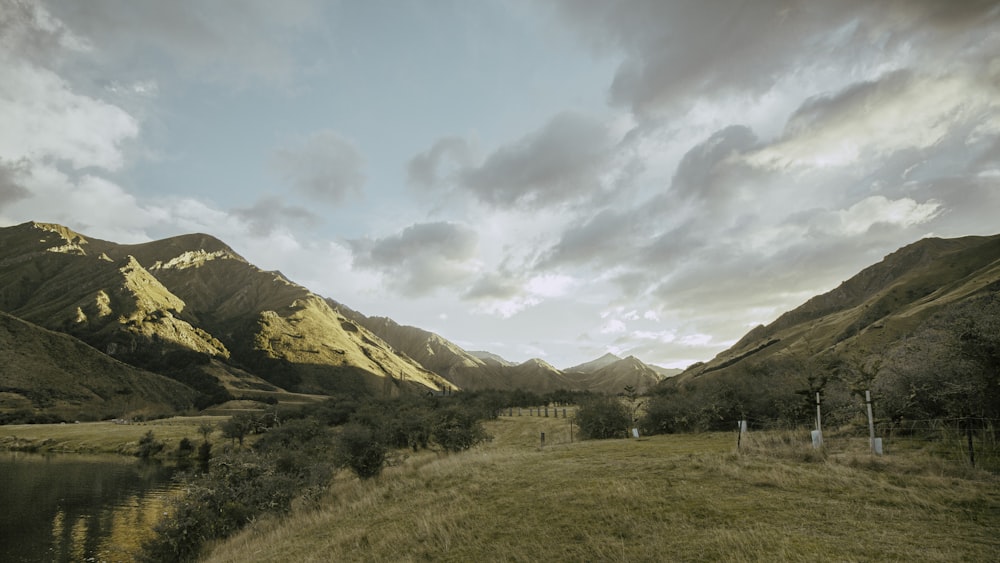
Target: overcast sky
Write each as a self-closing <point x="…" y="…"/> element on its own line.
<point x="553" y="179"/>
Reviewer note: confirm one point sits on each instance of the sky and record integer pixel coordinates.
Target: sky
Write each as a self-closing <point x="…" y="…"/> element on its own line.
<point x="553" y="179"/>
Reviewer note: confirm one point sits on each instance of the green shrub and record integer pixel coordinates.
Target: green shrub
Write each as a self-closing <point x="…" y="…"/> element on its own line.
<point x="357" y="449"/>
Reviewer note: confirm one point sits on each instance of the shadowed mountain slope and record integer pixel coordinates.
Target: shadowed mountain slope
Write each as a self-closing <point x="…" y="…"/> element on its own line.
<point x="45" y="370"/>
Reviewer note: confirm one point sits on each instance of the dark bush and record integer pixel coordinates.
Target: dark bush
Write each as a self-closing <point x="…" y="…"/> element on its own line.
<point x="237" y="488"/>
<point x="149" y="446"/>
<point x="185" y="448"/>
<point x="456" y="428"/>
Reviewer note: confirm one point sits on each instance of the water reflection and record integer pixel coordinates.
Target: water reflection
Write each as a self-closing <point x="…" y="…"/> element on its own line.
<point x="77" y="507"/>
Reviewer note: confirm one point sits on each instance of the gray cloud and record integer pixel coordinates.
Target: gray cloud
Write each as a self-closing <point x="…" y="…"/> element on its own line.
<point x="421" y="258"/>
<point x="27" y="31"/>
<point x="270" y="213"/>
<point x="705" y="175"/>
<point x="326" y="166"/>
<point x="498" y="286"/>
<point x="424" y="170"/>
<point x="675" y="51"/>
<point x="704" y="172"/>
<point x="11" y="189"/>
<point x="605" y="237"/>
<point x="560" y="162"/>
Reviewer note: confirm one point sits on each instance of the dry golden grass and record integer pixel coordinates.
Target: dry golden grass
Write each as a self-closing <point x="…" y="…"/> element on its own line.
<point x="103" y="437"/>
<point x="663" y="498"/>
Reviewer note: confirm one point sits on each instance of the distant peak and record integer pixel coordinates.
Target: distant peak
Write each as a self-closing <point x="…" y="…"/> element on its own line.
<point x="538" y="362"/>
<point x="594" y="365"/>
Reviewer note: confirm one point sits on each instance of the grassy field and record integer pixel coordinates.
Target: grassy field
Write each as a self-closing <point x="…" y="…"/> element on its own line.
<point x="103" y="437"/>
<point x="663" y="498"/>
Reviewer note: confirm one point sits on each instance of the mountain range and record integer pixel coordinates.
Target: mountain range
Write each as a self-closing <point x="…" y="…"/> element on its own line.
<point x="94" y="326"/>
<point x="191" y="309"/>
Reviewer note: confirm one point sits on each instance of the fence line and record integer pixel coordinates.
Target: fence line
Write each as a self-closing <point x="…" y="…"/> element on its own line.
<point x="544" y="412"/>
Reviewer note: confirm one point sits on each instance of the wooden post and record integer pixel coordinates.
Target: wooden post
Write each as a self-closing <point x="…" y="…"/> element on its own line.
<point x="546" y="411"/>
<point x="819" y="415"/>
<point x="564" y="412"/>
<point x="571" y="431"/>
<point x="871" y="422"/>
<point x="817" y="435"/>
<point x="543" y="439"/>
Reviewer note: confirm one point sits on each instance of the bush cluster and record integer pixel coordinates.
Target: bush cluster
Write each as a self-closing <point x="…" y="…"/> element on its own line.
<point x="295" y="454"/>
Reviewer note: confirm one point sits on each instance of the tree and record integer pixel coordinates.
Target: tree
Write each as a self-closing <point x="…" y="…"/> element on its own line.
<point x="238" y="427"/>
<point x="632" y="396"/>
<point x="206" y="429"/>
<point x="603" y="417"/>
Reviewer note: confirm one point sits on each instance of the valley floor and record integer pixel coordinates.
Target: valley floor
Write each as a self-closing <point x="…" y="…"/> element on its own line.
<point x="663" y="498"/>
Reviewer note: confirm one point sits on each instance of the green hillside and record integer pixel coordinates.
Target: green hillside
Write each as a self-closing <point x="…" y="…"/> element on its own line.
<point x="191" y="308"/>
<point x="920" y="330"/>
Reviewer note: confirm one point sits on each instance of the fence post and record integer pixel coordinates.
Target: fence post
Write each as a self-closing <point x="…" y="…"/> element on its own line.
<point x="543" y="439"/>
<point x="546" y="411"/>
<point x="871" y="422"/>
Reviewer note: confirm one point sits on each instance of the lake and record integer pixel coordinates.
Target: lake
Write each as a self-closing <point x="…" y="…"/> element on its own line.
<point x="73" y="507"/>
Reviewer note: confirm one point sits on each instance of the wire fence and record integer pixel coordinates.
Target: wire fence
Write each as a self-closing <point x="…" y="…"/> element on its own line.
<point x="972" y="441"/>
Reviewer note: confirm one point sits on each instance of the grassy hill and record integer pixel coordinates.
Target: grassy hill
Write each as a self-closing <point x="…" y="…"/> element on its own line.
<point x="667" y="498"/>
<point x="64" y="377"/>
<point x="878" y="306"/>
<point x="920" y="330"/>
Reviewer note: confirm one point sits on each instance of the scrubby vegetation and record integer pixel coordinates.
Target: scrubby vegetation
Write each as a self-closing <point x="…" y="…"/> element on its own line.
<point x="292" y="454"/>
<point x="947" y="369"/>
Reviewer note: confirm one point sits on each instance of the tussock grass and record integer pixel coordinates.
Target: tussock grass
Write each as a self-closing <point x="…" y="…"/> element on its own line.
<point x="664" y="498"/>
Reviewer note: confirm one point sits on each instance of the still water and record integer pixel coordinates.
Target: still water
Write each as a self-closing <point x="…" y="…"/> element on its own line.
<point x="72" y="507"/>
